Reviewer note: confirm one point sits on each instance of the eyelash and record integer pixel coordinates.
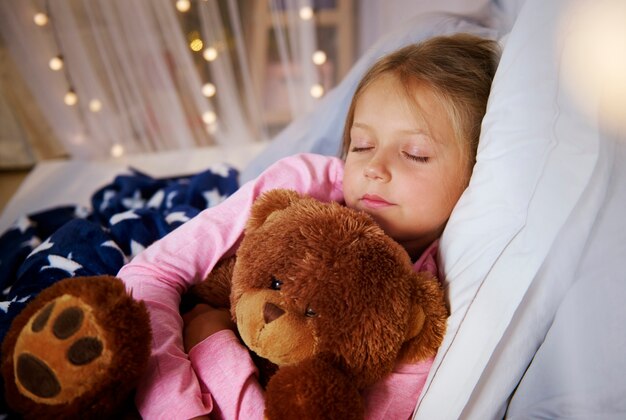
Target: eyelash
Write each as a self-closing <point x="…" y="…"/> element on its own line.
<point x="420" y="159"/>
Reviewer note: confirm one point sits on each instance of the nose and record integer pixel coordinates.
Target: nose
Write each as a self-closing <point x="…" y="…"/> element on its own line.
<point x="377" y="169"/>
<point x="271" y="312"/>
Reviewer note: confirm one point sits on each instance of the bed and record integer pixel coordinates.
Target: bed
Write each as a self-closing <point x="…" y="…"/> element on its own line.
<point x="533" y="250"/>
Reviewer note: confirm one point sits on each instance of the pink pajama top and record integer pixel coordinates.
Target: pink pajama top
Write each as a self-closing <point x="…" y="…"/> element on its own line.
<point x="218" y="375"/>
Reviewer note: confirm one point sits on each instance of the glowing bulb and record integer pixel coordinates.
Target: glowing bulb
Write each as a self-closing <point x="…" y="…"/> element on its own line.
<point x="210" y="54"/>
<point x="317" y="91"/>
<point x="319" y="57"/>
<point x="209" y="117"/>
<point x="211" y="128"/>
<point x="117" y="150"/>
<point x="41" y="19"/>
<point x="183" y="5"/>
<point x="208" y="90"/>
<point x="56" y="63"/>
<point x="196" y="44"/>
<point x="95" y="105"/>
<point x="594" y="60"/>
<point x="78" y="139"/>
<point x="306" y="13"/>
<point x="70" y="98"/>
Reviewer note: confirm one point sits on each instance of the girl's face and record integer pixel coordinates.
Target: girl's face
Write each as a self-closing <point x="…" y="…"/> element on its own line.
<point x="403" y="166"/>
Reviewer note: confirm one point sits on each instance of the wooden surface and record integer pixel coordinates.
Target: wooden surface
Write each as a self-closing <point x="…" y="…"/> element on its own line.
<point x="9" y="183"/>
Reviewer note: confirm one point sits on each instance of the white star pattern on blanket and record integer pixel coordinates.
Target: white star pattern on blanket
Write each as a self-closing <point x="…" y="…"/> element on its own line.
<point x="177" y="216"/>
<point x="45" y="245"/>
<point x="134" y="202"/>
<point x="4" y="306"/>
<point x="170" y="198"/>
<point x="156" y="200"/>
<point x="81" y="212"/>
<point x="106" y="199"/>
<point x="32" y="242"/>
<point x="62" y="263"/>
<point x="135" y="248"/>
<point x="213" y="197"/>
<point x="220" y="169"/>
<point x="112" y="244"/>
<point x="120" y="217"/>
<point x="23" y="223"/>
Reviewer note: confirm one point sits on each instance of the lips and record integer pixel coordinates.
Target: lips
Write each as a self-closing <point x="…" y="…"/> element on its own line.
<point x="374" y="201"/>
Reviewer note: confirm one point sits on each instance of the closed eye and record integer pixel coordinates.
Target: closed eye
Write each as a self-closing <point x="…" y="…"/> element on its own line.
<point x="360" y="149"/>
<point x="421" y="159"/>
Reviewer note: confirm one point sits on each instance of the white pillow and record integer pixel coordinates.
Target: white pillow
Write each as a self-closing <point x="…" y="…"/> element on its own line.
<point x="525" y="217"/>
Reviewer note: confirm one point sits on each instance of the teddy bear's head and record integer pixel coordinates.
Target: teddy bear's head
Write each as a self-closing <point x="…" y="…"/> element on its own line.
<point x="321" y="284"/>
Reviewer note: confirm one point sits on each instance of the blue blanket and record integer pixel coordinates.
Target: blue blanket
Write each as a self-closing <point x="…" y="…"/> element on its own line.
<point x="125" y="217"/>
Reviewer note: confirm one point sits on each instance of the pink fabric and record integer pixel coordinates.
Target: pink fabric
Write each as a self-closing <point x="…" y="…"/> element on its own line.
<point x="171" y="388"/>
<point x="227" y="373"/>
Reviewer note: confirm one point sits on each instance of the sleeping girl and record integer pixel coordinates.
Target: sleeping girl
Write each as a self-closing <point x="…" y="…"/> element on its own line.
<point x="409" y="146"/>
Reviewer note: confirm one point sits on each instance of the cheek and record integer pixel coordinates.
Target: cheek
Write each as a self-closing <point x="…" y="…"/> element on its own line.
<point x="350" y="184"/>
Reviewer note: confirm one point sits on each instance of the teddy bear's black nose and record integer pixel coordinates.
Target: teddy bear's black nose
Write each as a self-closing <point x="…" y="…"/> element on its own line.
<point x="271" y="312"/>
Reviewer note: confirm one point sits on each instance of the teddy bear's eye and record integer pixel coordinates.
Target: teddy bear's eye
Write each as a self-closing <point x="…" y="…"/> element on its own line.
<point x="275" y="284"/>
<point x="310" y="313"/>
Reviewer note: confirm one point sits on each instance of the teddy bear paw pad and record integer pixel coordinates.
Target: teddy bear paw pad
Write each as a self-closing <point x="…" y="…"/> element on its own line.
<point x="60" y="351"/>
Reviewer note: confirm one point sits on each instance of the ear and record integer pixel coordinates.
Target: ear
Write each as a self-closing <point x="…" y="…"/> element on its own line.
<point x="312" y="389"/>
<point x="427" y="323"/>
<point x="268" y="203"/>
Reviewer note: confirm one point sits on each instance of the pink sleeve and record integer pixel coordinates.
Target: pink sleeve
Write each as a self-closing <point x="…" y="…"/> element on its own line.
<point x="395" y="397"/>
<point x="161" y="273"/>
<point x="227" y="373"/>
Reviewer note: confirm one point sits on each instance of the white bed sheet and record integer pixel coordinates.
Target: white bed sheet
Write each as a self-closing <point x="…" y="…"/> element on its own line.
<point x="62" y="182"/>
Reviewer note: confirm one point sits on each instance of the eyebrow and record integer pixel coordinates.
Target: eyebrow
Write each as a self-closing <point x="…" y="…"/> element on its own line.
<point x="409" y="131"/>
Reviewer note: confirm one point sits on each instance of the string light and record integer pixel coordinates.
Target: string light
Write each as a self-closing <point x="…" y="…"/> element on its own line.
<point x="208" y="90"/>
<point x="319" y="57"/>
<point x="70" y="98"/>
<point x="210" y="54"/>
<point x="317" y="90"/>
<point x="209" y="117"/>
<point x="41" y="19"/>
<point x="183" y="5"/>
<point x="211" y="128"/>
<point x="95" y="105"/>
<point x="56" y="63"/>
<point x="306" y="13"/>
<point x="117" y="150"/>
<point x="196" y="44"/>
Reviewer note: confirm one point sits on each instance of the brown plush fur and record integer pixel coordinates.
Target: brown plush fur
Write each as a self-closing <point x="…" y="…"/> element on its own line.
<point x="322" y="291"/>
<point x="215" y="292"/>
<point x="99" y="386"/>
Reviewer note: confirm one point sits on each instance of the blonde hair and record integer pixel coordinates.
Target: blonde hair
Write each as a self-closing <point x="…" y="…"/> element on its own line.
<point x="458" y="68"/>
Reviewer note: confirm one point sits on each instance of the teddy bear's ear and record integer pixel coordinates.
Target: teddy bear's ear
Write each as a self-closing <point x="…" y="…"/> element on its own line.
<point x="268" y="203"/>
<point x="428" y="319"/>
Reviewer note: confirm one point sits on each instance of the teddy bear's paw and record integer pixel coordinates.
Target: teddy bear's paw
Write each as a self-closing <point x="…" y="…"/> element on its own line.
<point x="60" y="352"/>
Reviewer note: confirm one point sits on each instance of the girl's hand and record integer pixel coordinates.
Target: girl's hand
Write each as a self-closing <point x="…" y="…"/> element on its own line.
<point x="202" y="321"/>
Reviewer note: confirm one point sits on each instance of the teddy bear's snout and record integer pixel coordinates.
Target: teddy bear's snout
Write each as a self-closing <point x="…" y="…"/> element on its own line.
<point x="271" y="312"/>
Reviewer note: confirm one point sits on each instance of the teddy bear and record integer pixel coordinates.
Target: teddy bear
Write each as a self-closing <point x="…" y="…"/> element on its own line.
<point x="76" y="351"/>
<point x="316" y="289"/>
<point x="322" y="292"/>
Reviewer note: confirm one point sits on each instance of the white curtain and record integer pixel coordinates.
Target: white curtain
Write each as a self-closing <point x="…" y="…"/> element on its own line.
<point x="141" y="88"/>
